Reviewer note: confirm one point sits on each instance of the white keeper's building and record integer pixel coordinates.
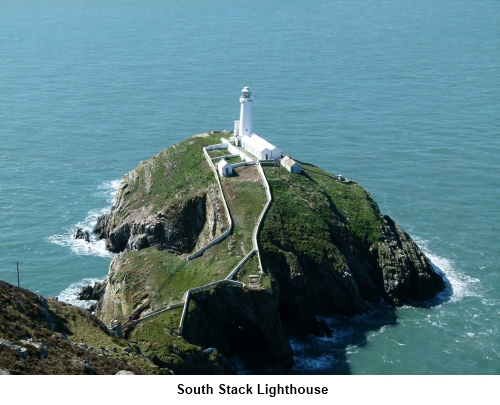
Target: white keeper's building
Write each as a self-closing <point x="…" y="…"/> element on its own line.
<point x="260" y="148"/>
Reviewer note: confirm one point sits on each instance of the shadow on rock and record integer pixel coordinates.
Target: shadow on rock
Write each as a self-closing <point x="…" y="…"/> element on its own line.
<point x="440" y="298"/>
<point x="327" y="355"/>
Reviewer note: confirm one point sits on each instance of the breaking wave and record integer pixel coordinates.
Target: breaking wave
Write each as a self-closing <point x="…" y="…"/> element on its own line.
<point x="457" y="284"/>
<point x="95" y="247"/>
<point x="329" y="355"/>
<point x="69" y="294"/>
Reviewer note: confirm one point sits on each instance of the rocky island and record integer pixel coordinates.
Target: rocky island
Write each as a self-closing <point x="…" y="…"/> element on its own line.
<point x="210" y="266"/>
<point x="324" y="248"/>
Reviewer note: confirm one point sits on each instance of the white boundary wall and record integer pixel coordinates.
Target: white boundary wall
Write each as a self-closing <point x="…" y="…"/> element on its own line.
<point x="262" y="214"/>
<point x="246" y="258"/>
<point x="240" y="265"/>
<point x="231" y="224"/>
<point x="170" y="307"/>
<point x="217" y="146"/>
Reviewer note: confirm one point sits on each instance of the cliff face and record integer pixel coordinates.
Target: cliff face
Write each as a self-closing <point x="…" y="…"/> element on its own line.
<point x="324" y="244"/>
<point x="144" y="214"/>
<point x="330" y="249"/>
<point x="236" y="321"/>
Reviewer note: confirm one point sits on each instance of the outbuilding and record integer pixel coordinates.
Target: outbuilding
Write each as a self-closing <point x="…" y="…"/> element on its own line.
<point x="291" y="165"/>
<point x="224" y="168"/>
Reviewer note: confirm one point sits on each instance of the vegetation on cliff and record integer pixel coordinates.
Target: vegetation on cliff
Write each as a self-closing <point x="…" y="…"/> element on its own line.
<point x="325" y="249"/>
<point x="44" y="336"/>
<point x="324" y="245"/>
<point x="329" y="249"/>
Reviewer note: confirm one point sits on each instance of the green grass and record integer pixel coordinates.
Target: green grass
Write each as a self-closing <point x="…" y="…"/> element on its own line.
<point x="309" y="209"/>
<point x="251" y="267"/>
<point x="160" y="328"/>
<point x="165" y="277"/>
<point x="298" y="219"/>
<point x="175" y="174"/>
<point x="168" y="277"/>
<point x="155" y="336"/>
<point x="265" y="281"/>
<point x="352" y="202"/>
<point x="246" y="200"/>
<point x="234" y="160"/>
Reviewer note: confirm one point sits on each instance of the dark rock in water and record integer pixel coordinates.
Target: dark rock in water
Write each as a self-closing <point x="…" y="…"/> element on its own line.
<point x="91" y="292"/>
<point x="85" y="293"/>
<point x="101" y="226"/>
<point x="81" y="234"/>
<point x="325" y="329"/>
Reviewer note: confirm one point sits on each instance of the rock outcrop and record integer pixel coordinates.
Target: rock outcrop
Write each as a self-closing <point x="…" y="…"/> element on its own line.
<point x="330" y="250"/>
<point x="239" y="322"/>
<point x="325" y="246"/>
<point x="182" y="224"/>
<point x="81" y="234"/>
<point x="406" y="271"/>
<point x="92" y="291"/>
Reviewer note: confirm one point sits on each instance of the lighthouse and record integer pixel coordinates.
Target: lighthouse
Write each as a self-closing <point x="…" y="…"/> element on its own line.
<point x="246" y="99"/>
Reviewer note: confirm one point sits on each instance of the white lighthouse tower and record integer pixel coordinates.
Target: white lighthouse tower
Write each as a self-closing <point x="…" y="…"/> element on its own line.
<point x="246" y="100"/>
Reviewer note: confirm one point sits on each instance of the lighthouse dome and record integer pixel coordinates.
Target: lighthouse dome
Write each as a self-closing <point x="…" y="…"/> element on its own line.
<point x="246" y="92"/>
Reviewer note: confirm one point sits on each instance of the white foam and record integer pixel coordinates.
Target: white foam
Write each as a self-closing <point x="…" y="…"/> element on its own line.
<point x="69" y="294"/>
<point x="96" y="247"/>
<point x="458" y="285"/>
<point x="108" y="189"/>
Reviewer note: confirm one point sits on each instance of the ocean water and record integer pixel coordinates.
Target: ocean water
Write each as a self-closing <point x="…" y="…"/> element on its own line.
<point x="400" y="96"/>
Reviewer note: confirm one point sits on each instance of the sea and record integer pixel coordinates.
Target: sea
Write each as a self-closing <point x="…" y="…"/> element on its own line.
<point x="400" y="96"/>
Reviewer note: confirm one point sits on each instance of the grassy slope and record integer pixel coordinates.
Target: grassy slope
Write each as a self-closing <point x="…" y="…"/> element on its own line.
<point x="245" y="199"/>
<point x="251" y="267"/>
<point x="23" y="315"/>
<point x="169" y="276"/>
<point x="352" y="202"/>
<point x="155" y="337"/>
<point x="176" y="173"/>
<point x="305" y="209"/>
